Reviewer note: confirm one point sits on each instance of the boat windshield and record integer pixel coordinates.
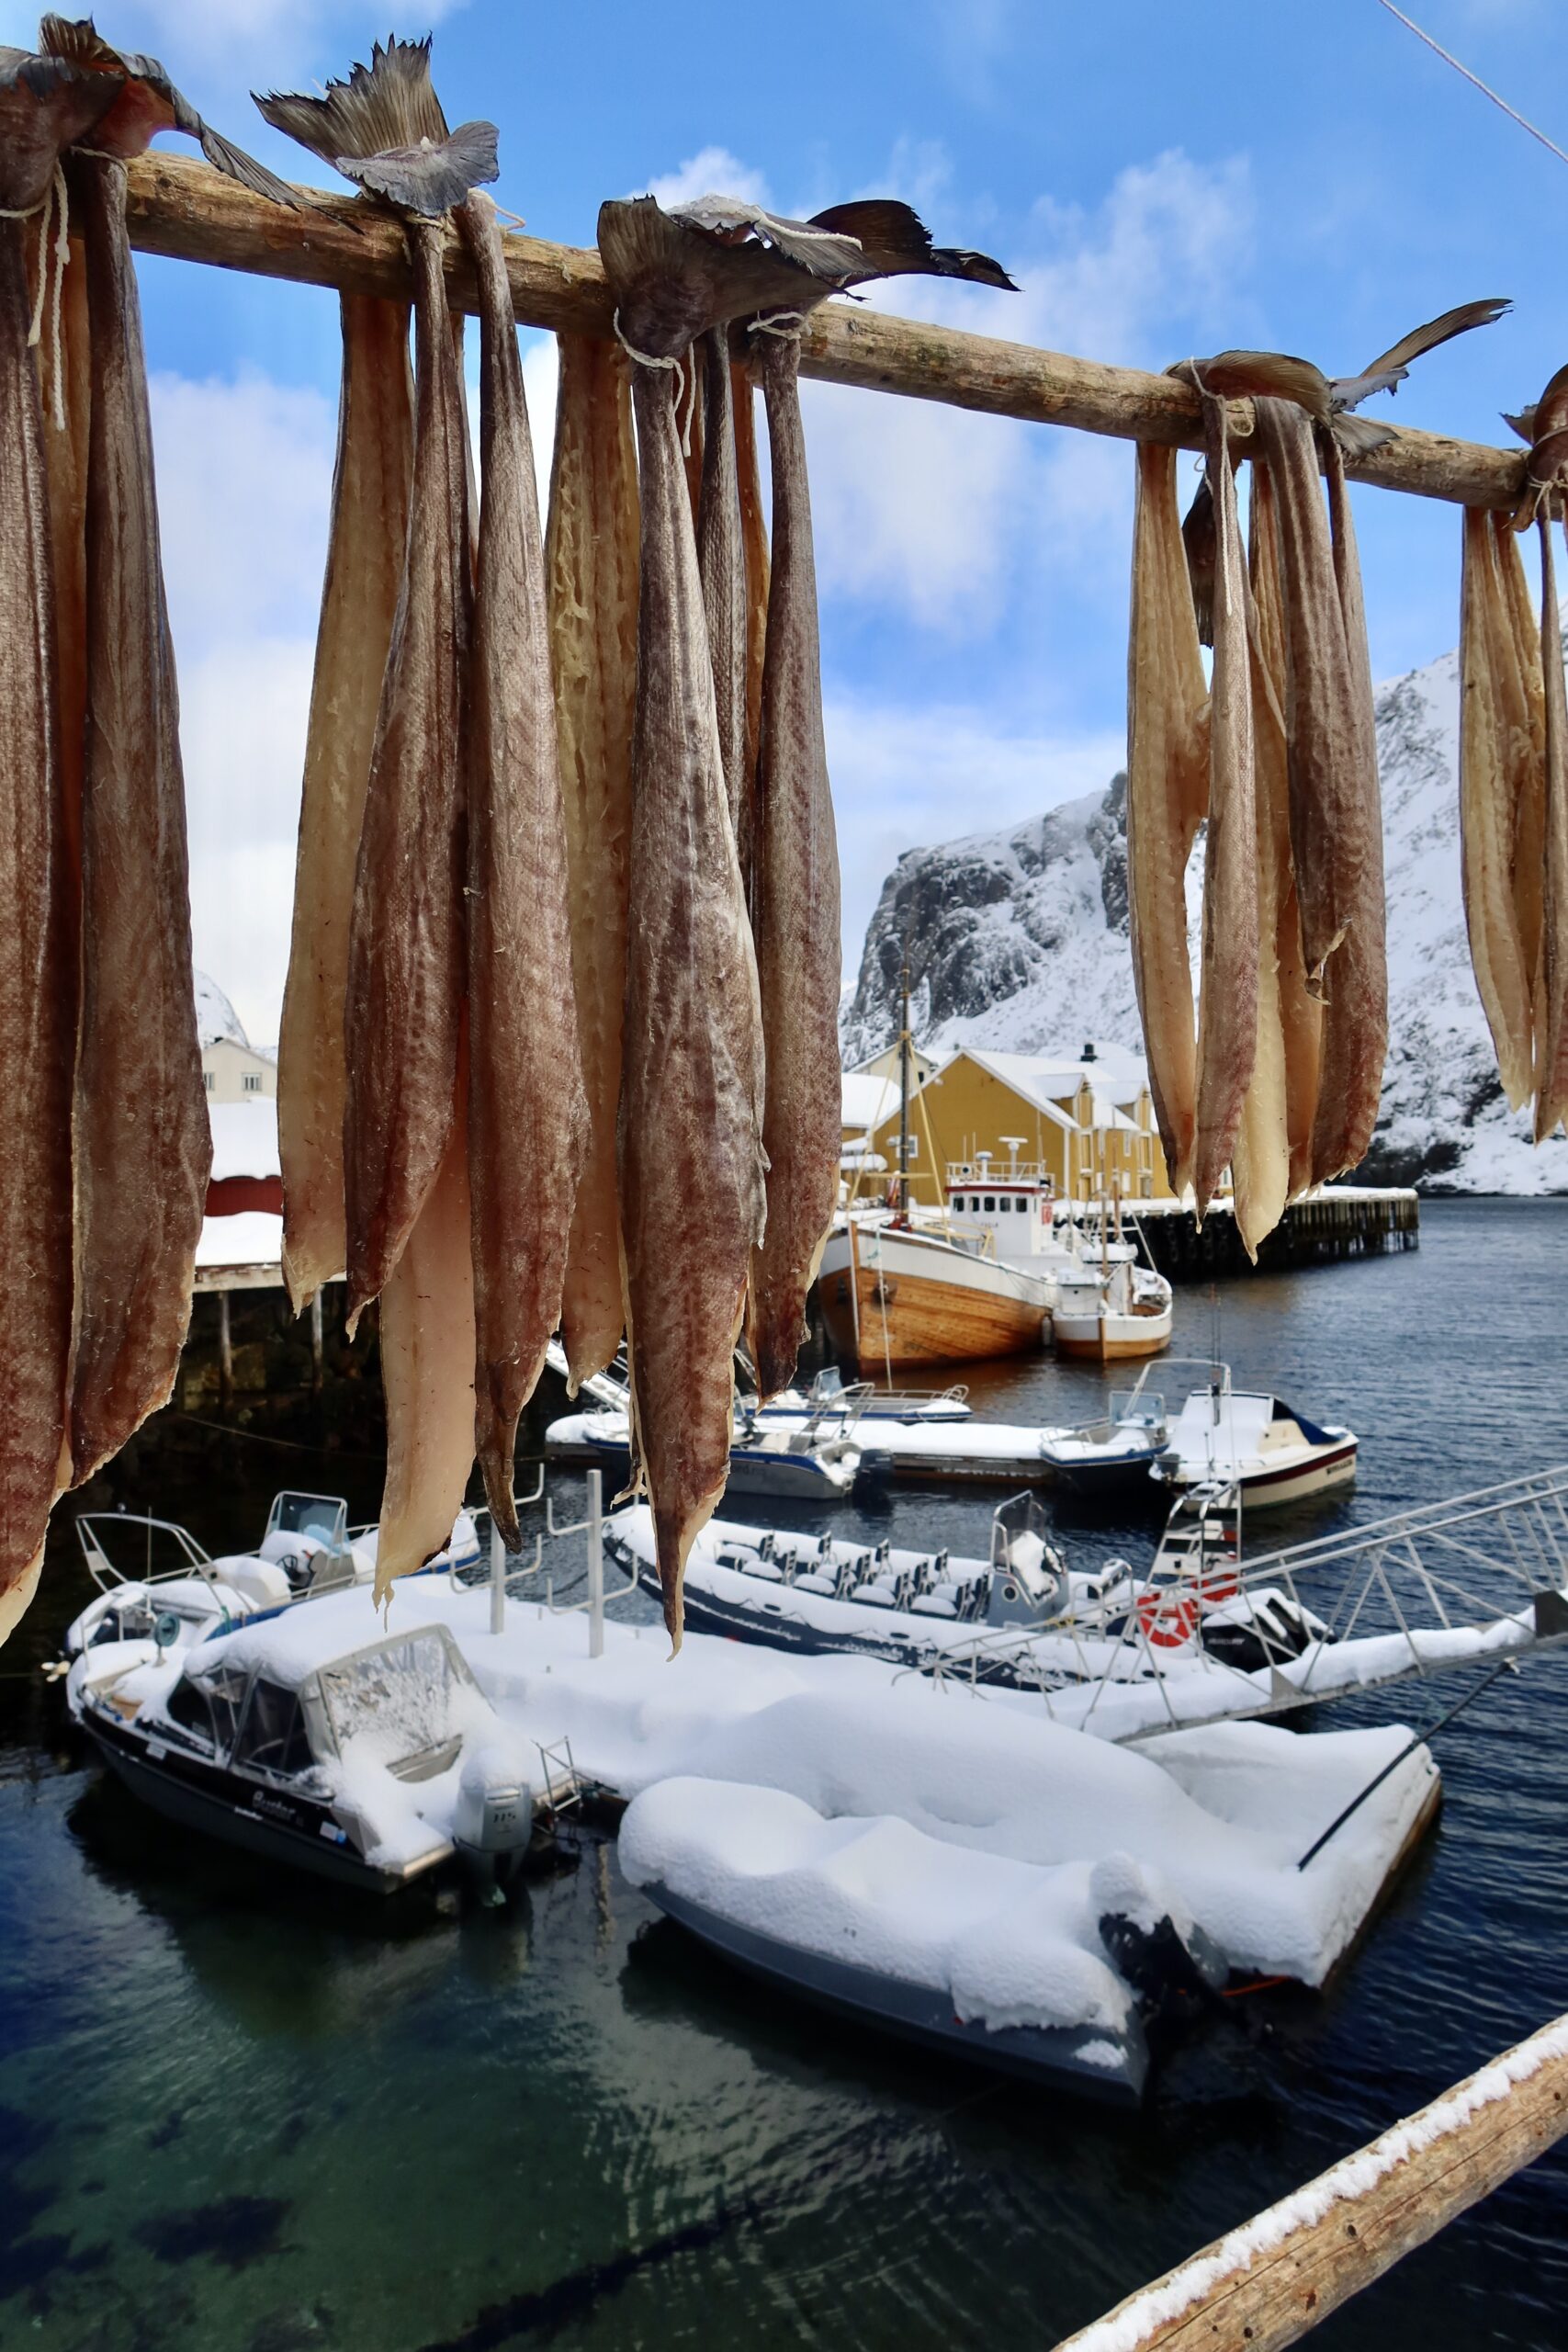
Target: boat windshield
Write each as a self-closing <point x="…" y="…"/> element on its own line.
<point x="402" y="1699"/>
<point x="324" y="1516"/>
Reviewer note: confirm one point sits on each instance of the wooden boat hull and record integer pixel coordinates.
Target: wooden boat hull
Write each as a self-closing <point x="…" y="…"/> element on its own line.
<point x="1112" y="1339"/>
<point x="917" y="1301"/>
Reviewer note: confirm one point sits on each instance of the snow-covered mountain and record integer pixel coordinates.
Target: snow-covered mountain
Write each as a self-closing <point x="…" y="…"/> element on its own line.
<point x="1018" y="941"/>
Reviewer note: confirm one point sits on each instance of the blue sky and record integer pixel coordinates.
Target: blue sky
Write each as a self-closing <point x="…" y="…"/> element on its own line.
<point x="1160" y="181"/>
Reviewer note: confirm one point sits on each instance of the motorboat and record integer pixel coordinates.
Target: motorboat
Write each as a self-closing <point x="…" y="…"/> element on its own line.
<point x="1257" y="1442"/>
<point x="158" y="1590"/>
<point x="1020" y="1619"/>
<point x="371" y="1766"/>
<point x="814" y="1462"/>
<point x="830" y="1397"/>
<point x="1113" y="1456"/>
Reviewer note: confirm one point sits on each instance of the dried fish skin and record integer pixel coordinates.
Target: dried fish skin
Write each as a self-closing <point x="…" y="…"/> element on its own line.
<point x="1502" y="750"/>
<point x="144" y="1140"/>
<point x="754" y="539"/>
<point x="795" y="910"/>
<point x="1354" y="1022"/>
<point x="427" y="1370"/>
<point x="721" y="563"/>
<point x="1167" y="792"/>
<point x="1292" y="1065"/>
<point x="406" y="974"/>
<point x="1552" y="969"/>
<point x="689" y="1135"/>
<point x="365" y="562"/>
<point x="37" y="1022"/>
<point x="1227" y="1013"/>
<point x="527" y="1113"/>
<point x="1324" y="751"/>
<point x="591" y="564"/>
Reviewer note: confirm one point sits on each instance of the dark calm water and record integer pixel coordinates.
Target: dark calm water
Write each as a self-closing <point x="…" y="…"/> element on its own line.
<point x="234" y="2115"/>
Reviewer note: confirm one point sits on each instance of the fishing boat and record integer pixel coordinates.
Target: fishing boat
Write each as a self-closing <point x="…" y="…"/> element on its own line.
<point x="371" y="1765"/>
<point x="895" y="1297"/>
<point x="1110" y="1310"/>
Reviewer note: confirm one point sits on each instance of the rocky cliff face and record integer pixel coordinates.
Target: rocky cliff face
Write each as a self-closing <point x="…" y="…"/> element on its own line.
<point x="1019" y="942"/>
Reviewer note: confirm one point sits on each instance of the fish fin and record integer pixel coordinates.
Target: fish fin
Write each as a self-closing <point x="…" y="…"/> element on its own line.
<point x="1359" y="434"/>
<point x="235" y="164"/>
<point x="1383" y="374"/>
<point x="897" y="242"/>
<point x="1523" y="424"/>
<point x="677" y="274"/>
<point x="428" y="179"/>
<point x="1198" y="539"/>
<point x="388" y="103"/>
<point x="1238" y="375"/>
<point x="813" y="245"/>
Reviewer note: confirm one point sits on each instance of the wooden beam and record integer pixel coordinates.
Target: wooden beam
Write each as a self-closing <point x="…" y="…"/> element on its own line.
<point x="1269" y="2283"/>
<point x="187" y="211"/>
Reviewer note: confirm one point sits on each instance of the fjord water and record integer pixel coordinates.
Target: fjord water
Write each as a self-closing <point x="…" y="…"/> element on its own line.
<point x="239" y="2116"/>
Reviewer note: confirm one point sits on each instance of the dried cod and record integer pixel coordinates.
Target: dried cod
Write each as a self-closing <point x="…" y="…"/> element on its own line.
<point x="591" y="564"/>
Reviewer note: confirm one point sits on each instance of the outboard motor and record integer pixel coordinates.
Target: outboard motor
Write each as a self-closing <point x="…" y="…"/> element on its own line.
<point x="493" y="1820"/>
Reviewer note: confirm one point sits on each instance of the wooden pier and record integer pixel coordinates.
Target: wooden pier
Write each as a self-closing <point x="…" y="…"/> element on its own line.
<point x="1339" y="1221"/>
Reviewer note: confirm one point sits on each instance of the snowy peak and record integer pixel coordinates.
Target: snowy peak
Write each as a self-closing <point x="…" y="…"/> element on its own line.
<point x="1018" y="941"/>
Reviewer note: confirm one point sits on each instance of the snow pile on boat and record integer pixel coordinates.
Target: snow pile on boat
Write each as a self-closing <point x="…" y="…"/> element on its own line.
<point x="1009" y="1944"/>
<point x="1207" y="1827"/>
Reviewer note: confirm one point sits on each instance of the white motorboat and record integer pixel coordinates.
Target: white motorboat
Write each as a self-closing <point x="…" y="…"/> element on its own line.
<point x="1110" y="1308"/>
<point x="370" y="1766"/>
<point x="1020" y="1619"/>
<point x="159" y="1591"/>
<point x="816" y="1462"/>
<point x="1255" y="1441"/>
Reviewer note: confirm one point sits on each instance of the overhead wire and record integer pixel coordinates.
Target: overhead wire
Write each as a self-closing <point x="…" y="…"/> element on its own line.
<point x="1474" y="79"/>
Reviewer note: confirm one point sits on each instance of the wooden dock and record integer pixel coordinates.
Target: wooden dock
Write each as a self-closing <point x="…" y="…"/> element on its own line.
<point x="1337" y="1221"/>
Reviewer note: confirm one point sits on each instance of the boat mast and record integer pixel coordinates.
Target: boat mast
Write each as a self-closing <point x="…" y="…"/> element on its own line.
<point x="904" y="1099"/>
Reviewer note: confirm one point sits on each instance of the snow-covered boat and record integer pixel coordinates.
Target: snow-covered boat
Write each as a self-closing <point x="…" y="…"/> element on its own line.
<point x="813" y="1463"/>
<point x="370" y="1766"/>
<point x="1020" y="1619"/>
<point x="1257" y="1442"/>
<point x="158" y="1590"/>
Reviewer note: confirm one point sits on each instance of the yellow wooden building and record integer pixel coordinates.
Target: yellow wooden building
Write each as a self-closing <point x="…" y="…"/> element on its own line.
<point x="1088" y="1125"/>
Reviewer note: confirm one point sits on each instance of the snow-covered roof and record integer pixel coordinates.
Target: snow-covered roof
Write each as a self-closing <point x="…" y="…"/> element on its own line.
<point x="867" y="1099"/>
<point x="215" y="1016"/>
<point x="1045" y="1084"/>
<point x="245" y="1139"/>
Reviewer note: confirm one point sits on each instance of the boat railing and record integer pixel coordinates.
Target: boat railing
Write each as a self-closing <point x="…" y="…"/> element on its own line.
<point x="106" y="1573"/>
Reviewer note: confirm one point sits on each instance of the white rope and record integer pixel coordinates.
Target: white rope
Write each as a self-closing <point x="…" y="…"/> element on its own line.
<point x="787" y="325"/>
<point x="685" y="378"/>
<point x="50" y="281"/>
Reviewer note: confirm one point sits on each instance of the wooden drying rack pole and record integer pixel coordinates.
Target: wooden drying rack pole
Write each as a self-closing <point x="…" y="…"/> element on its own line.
<point x="188" y="213"/>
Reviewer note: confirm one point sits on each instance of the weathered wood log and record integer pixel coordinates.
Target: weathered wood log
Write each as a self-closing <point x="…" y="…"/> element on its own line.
<point x="1275" y="2279"/>
<point x="185" y="210"/>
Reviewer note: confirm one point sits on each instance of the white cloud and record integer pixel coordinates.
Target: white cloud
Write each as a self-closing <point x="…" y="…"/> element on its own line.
<point x="906" y="775"/>
<point x="945" y="513"/>
<point x="712" y="171"/>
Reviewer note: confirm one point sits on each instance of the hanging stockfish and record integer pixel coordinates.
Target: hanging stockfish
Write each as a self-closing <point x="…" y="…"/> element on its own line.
<point x="43" y="105"/>
<point x="691" y="1166"/>
<point x="1502" y="770"/>
<point x="721" y="565"/>
<point x="359" y="599"/>
<point x="1229" y="995"/>
<point x="1273" y="1152"/>
<point x="527" y="1113"/>
<point x="1167" y="797"/>
<point x="142" y="1144"/>
<point x="1545" y="427"/>
<point x="591" y="564"/>
<point x="794" y="877"/>
<point x="405" y="1158"/>
<point x="754" y="542"/>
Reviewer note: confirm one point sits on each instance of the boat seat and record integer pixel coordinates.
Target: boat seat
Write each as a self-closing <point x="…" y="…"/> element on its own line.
<point x="813" y="1580"/>
<point x="874" y="1596"/>
<point x="767" y="1548"/>
<point x="932" y="1604"/>
<point x="883" y="1554"/>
